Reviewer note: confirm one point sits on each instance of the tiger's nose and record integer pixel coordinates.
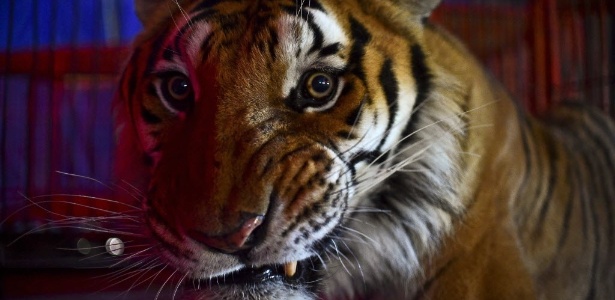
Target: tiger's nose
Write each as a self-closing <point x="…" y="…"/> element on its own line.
<point x="239" y="239"/>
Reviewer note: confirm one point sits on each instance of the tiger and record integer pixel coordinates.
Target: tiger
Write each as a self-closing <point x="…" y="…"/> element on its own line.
<point x="329" y="149"/>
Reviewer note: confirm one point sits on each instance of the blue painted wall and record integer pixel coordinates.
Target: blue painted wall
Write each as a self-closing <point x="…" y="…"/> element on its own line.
<point x="27" y="24"/>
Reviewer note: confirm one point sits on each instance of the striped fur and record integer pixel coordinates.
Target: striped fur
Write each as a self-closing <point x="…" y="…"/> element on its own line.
<point x="414" y="176"/>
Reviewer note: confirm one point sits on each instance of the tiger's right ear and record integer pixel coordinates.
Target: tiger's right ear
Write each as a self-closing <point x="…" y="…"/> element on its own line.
<point x="145" y="9"/>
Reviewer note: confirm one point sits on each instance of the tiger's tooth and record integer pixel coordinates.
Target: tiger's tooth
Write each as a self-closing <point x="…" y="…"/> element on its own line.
<point x="290" y="269"/>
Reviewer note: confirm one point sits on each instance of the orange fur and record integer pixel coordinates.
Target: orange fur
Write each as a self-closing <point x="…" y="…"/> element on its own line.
<point x="246" y="151"/>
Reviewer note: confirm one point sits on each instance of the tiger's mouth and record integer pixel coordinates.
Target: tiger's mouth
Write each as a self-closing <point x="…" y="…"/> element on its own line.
<point x="297" y="274"/>
<point x="293" y="274"/>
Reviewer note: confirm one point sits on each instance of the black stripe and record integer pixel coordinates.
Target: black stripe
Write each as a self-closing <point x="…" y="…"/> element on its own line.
<point x="353" y="117"/>
<point x="391" y="90"/>
<point x="384" y="201"/>
<point x="180" y="37"/>
<point x="156" y="148"/>
<point x="422" y="294"/>
<point x="207" y="47"/>
<point x="404" y="193"/>
<point x="568" y="210"/>
<point x="330" y="50"/>
<point x="273" y="43"/>
<point x="600" y="134"/>
<point x="153" y="213"/>
<point x="344" y="134"/>
<point x="318" y="35"/>
<point x="149" y="117"/>
<point x="591" y="134"/>
<point x="313" y="4"/>
<point x="583" y="198"/>
<point x="382" y="159"/>
<point x="422" y="77"/>
<point x="412" y="190"/>
<point x="592" y="157"/>
<point x="319" y="38"/>
<point x="131" y="82"/>
<point x="333" y="146"/>
<point x="361" y="38"/>
<point x="294" y="151"/>
<point x="553" y="158"/>
<point x="361" y="156"/>
<point x="206" y="14"/>
<point x="292" y="101"/>
<point x="168" y="54"/>
<point x="151" y="90"/>
<point x="421" y="73"/>
<point x="208" y="5"/>
<point x="205" y="10"/>
<point x="595" y="222"/>
<point x="523" y="129"/>
<point x="291" y="10"/>
<point x="228" y="22"/>
<point x="157" y="46"/>
<point x="294" y="10"/>
<point x="536" y="190"/>
<point x="264" y="46"/>
<point x="148" y="160"/>
<point x="315" y="209"/>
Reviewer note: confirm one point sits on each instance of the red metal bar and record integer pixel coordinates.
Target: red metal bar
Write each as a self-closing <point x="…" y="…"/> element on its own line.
<point x="58" y="62"/>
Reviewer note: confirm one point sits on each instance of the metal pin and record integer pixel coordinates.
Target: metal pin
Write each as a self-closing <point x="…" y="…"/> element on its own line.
<point x="114" y="246"/>
<point x="83" y="246"/>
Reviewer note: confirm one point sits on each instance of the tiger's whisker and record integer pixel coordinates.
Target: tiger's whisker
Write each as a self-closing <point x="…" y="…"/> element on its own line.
<point x="163" y="284"/>
<point x="178" y="285"/>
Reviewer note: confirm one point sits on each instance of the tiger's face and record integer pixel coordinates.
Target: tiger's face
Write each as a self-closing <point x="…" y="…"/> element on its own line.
<point x="260" y="127"/>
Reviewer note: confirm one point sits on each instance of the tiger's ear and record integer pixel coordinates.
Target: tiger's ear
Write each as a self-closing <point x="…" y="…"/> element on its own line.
<point x="146" y="9"/>
<point x="149" y="10"/>
<point x="420" y="8"/>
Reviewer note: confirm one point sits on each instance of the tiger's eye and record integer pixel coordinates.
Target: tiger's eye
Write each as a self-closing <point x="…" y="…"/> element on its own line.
<point x="319" y="85"/>
<point x="176" y="90"/>
<point x="179" y="88"/>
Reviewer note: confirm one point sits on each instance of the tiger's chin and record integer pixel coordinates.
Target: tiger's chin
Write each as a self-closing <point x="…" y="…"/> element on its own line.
<point x="270" y="289"/>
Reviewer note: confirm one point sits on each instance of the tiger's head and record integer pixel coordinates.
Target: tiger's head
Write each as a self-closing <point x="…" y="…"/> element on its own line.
<point x="269" y="136"/>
